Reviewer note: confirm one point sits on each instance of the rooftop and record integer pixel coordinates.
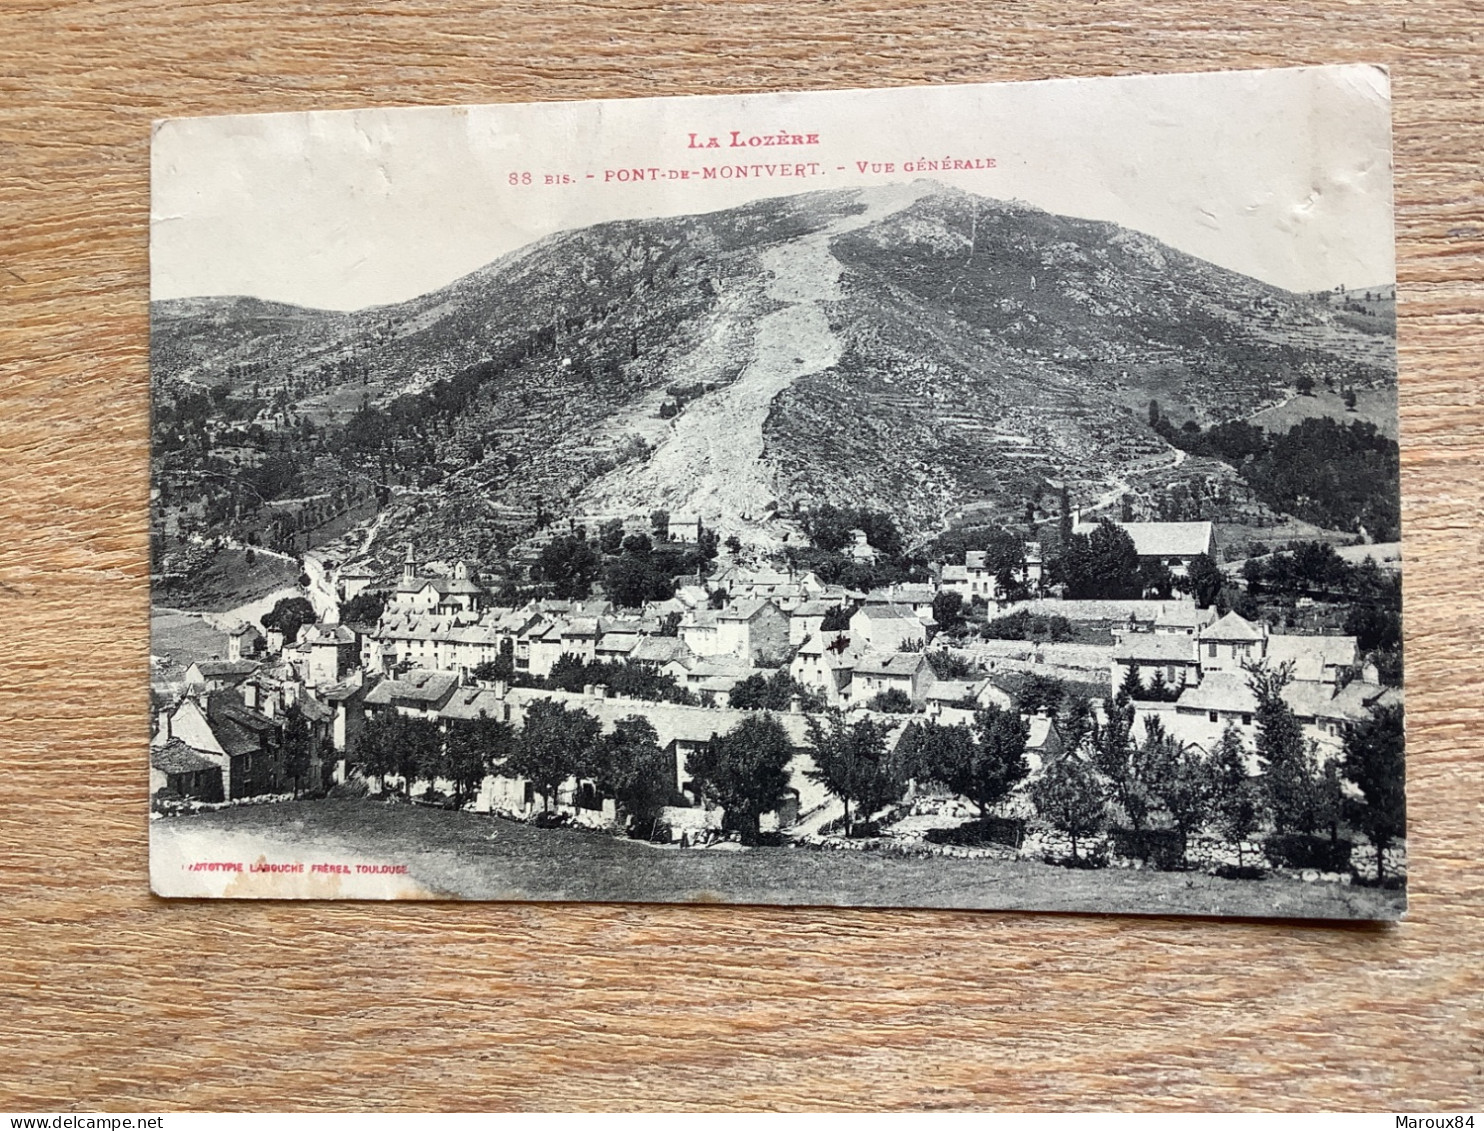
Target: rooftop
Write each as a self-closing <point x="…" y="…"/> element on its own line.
<point x="887" y="612"/>
<point x="1163" y="539"/>
<point x="1156" y="648"/>
<point x="176" y="757"/>
<point x="219" y="669"/>
<point x="1232" y="627"/>
<point x="890" y="663"/>
<point x="420" y="685"/>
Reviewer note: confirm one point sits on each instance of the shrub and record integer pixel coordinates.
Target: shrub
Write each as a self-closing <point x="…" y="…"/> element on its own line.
<point x="984" y="830"/>
<point x="858" y="829"/>
<point x="1164" y="848"/>
<point x="1087" y="861"/>
<point x="1239" y="872"/>
<point x="1302" y="851"/>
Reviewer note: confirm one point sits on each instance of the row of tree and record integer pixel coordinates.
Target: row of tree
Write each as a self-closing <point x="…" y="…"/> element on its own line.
<point x="1104" y="777"/>
<point x="553" y="745"/>
<point x="1107" y="774"/>
<point x="633" y="570"/>
<point x="1344" y="475"/>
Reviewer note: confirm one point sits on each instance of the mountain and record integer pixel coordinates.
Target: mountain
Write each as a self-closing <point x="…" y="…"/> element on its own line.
<point x="913" y="348"/>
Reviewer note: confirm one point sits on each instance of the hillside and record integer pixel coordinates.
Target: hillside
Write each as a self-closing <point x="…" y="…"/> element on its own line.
<point x="912" y="347"/>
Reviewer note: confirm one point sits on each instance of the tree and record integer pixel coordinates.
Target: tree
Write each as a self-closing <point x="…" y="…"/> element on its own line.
<point x="852" y="762"/>
<point x="1119" y="759"/>
<point x="1374" y="627"/>
<point x="951" y="665"/>
<point x="1040" y="694"/>
<point x="1102" y="565"/>
<point x="880" y="530"/>
<point x="659" y="522"/>
<point x="1304" y="384"/>
<point x="892" y="701"/>
<point x="1132" y="686"/>
<point x="297" y="746"/>
<point x="1155" y="578"/>
<point x="1204" y="579"/>
<point x="1004" y="558"/>
<point x="1350" y="399"/>
<point x="983" y="764"/>
<point x="1281" y="753"/>
<point x="1234" y="799"/>
<point x="554" y="744"/>
<point x="636" y="772"/>
<point x="1076" y="720"/>
<point x="569" y="565"/>
<point x="773" y="693"/>
<point x="829" y="527"/>
<point x="610" y="536"/>
<point x="365" y="607"/>
<point x="1159" y="689"/>
<point x="288" y="616"/>
<point x="948" y="610"/>
<point x="1375" y="762"/>
<point x="636" y="578"/>
<point x="372" y="748"/>
<point x="501" y="667"/>
<point x="745" y="771"/>
<point x="836" y="619"/>
<point x="475" y="748"/>
<point x="733" y="545"/>
<point x="1069" y="797"/>
<point x="416" y="750"/>
<point x="1180" y="780"/>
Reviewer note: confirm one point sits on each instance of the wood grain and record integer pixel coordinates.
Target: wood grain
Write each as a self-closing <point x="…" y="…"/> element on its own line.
<point x="111" y="999"/>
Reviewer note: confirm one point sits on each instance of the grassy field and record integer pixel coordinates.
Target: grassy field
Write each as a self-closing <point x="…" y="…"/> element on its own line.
<point x="1376" y="406"/>
<point x="228" y="581"/>
<point x="183" y="638"/>
<point x="471" y="856"/>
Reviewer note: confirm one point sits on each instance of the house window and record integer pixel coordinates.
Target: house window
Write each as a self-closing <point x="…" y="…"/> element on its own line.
<point x="1246" y="719"/>
<point x="1211" y="651"/>
<point x="1212" y="715"/>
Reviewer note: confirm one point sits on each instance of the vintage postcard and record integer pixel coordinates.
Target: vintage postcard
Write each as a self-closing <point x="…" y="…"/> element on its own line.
<point x="976" y="496"/>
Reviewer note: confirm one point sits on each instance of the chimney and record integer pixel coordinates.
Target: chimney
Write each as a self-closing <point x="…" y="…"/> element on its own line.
<point x="600" y="691"/>
<point x="164" y="729"/>
<point x="587" y="690"/>
<point x="250" y="694"/>
<point x="502" y="688"/>
<point x="795" y="705"/>
<point x="409" y="567"/>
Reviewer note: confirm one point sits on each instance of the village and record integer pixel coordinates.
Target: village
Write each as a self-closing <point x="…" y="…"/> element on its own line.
<point x="1133" y="736"/>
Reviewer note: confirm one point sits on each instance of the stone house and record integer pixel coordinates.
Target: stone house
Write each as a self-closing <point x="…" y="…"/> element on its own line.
<point x="1172" y="544"/>
<point x="907" y="672"/>
<point x="886" y="628"/>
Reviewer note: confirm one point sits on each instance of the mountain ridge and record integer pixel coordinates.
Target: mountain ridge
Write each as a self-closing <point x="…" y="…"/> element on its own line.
<point x="910" y="346"/>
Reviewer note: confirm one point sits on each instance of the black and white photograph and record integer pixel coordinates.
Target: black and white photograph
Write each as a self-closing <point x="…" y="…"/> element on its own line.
<point x="967" y="496"/>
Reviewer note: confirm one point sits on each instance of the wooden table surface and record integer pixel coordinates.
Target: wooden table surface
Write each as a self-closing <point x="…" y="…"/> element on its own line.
<point x="111" y="999"/>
